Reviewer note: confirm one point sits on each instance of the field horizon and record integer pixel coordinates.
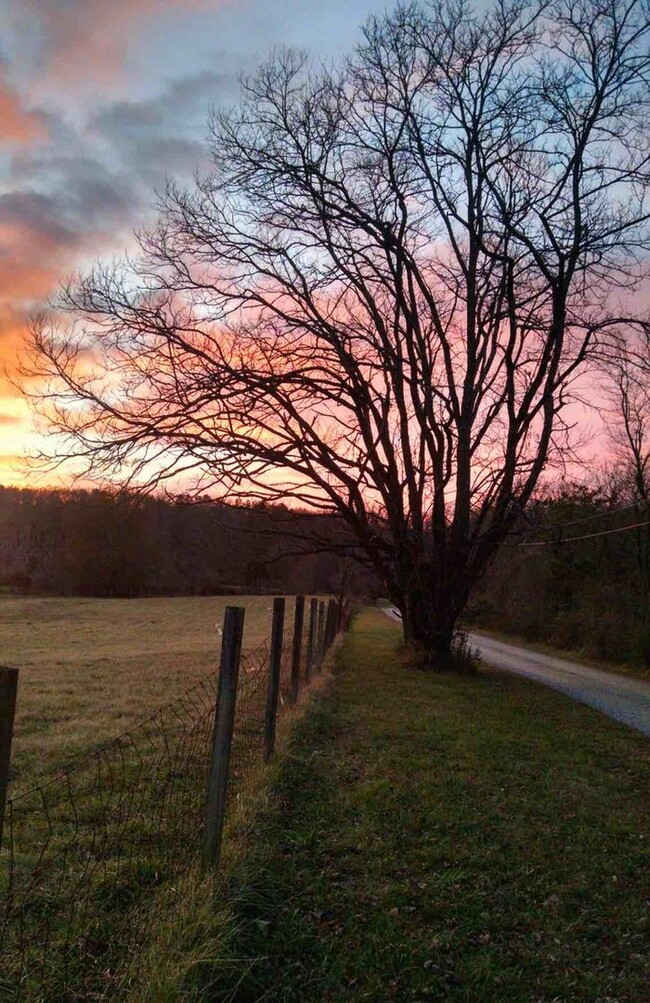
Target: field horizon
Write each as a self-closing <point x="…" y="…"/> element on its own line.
<point x="93" y="668"/>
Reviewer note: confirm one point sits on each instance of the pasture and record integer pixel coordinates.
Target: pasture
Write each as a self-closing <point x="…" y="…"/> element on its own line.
<point x="94" y="668"/>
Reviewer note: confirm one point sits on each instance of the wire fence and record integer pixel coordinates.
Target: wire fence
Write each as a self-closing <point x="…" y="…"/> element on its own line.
<point x="84" y="853"/>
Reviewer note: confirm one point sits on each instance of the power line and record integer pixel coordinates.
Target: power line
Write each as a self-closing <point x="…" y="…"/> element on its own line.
<point x="575" y="539"/>
<point x="555" y="527"/>
<point x="589" y="518"/>
<point x="558" y="527"/>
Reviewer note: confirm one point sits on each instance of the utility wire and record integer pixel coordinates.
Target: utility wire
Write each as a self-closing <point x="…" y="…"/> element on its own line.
<point x="556" y="527"/>
<point x="589" y="518"/>
<point x="575" y="539"/>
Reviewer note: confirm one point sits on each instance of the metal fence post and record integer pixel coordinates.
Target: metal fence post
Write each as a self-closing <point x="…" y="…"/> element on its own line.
<point x="311" y="638"/>
<point x="8" y="691"/>
<point x="275" y="664"/>
<point x="298" y="620"/>
<point x="224" y="720"/>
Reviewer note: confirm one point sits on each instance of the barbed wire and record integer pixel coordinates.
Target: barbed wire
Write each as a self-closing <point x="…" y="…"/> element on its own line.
<point x="87" y="851"/>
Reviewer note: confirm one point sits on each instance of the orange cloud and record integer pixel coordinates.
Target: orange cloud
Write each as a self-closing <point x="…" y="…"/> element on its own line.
<point x="18" y="434"/>
<point x="12" y="462"/>
<point x="43" y="235"/>
<point x="17" y="124"/>
<point x="26" y="281"/>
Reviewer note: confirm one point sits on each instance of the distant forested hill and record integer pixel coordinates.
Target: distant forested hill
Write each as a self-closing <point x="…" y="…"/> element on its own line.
<point x="76" y="542"/>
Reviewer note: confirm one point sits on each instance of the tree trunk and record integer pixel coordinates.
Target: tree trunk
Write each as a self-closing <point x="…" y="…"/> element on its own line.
<point x="429" y="618"/>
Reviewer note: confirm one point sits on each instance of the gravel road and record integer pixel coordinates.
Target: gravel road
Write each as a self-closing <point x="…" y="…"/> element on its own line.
<point x="621" y="697"/>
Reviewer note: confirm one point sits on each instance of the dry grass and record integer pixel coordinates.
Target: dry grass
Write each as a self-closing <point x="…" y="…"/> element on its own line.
<point x="93" y="668"/>
<point x="92" y="855"/>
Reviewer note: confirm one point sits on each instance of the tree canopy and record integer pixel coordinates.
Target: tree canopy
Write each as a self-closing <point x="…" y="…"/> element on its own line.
<point x="378" y="301"/>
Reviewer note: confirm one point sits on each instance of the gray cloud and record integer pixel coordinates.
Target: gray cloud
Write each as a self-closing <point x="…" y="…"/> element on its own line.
<point x="83" y="191"/>
<point x="183" y="104"/>
<point x="68" y="189"/>
<point x="167" y="134"/>
<point x="38" y="214"/>
<point x="96" y="33"/>
<point x="83" y="205"/>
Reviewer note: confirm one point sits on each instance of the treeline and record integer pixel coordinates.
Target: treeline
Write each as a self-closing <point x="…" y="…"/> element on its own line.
<point x="576" y="574"/>
<point x="572" y="574"/>
<point x="96" y="543"/>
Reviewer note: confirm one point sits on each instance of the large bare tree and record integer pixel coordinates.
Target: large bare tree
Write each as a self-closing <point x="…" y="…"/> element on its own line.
<point x="378" y="302"/>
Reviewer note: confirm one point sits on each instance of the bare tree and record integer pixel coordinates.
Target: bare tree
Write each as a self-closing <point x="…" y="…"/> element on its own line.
<point x="345" y="584"/>
<point x="625" y="362"/>
<point x="629" y="376"/>
<point x="378" y="302"/>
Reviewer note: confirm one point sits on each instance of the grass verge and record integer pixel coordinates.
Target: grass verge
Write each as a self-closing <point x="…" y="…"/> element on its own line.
<point x="192" y="949"/>
<point x="440" y="837"/>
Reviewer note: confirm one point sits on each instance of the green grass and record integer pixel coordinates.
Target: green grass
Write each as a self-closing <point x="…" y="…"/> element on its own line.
<point x="193" y="948"/>
<point x="439" y="837"/>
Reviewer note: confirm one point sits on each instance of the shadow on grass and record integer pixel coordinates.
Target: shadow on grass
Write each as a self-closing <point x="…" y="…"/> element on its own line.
<point x="441" y="837"/>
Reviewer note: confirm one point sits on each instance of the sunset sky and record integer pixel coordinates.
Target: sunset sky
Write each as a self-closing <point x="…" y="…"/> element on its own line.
<point x="99" y="101"/>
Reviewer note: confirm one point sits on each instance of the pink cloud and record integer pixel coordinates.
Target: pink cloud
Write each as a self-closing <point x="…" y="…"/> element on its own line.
<point x="89" y="39"/>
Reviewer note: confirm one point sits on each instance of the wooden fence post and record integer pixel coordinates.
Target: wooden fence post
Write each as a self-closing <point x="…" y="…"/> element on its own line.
<point x="8" y="691"/>
<point x="275" y="664"/>
<point x="331" y="623"/>
<point x="321" y="633"/>
<point x="311" y="638"/>
<point x="224" y="720"/>
<point x="326" y="622"/>
<point x="296" y="653"/>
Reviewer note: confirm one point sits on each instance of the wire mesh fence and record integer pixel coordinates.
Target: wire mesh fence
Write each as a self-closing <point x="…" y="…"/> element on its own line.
<point x="84" y="853"/>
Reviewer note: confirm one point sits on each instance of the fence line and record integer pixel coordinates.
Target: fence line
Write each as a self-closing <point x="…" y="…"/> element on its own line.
<point x="8" y="691"/>
<point x="224" y="723"/>
<point x="86" y="850"/>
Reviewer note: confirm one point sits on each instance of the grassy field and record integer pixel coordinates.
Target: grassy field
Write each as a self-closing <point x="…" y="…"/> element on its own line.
<point x="89" y="851"/>
<point x="426" y="836"/>
<point x="93" y="668"/>
<point x="439" y="837"/>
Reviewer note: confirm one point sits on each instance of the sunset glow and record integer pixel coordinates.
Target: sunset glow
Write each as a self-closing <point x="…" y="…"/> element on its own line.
<point x="99" y="103"/>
